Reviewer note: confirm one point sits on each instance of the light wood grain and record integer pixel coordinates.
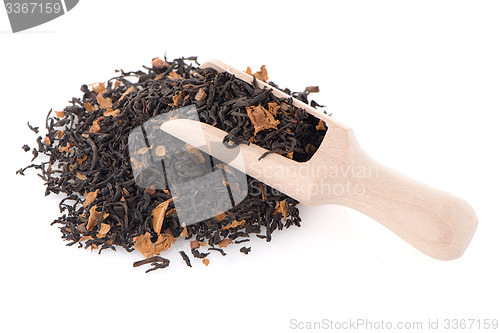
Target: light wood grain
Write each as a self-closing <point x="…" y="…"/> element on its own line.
<point x="340" y="172"/>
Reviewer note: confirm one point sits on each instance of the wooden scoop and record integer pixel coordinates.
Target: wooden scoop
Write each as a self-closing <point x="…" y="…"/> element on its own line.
<point x="437" y="223"/>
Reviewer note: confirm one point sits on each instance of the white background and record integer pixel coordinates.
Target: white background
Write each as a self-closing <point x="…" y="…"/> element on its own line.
<point x="419" y="83"/>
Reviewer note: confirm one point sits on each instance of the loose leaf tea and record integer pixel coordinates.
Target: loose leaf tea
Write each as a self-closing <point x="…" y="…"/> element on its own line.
<point x="89" y="161"/>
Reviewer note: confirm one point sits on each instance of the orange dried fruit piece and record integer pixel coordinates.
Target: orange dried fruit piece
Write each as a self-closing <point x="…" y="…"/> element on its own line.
<point x="184" y="232"/>
<point x="235" y="224"/>
<point x="89" y="107"/>
<point x="104" y="102"/>
<point x="321" y="126"/>
<point x="164" y="242"/>
<point x="96" y="126"/>
<point x="66" y="148"/>
<point x="60" y="114"/>
<point x="225" y="242"/>
<point x="174" y="75"/>
<point x="104" y="230"/>
<point x="200" y="95"/>
<point x="80" y="175"/>
<point x="220" y="217"/>
<point x="158" y="215"/>
<point x="144" y="245"/>
<point x="128" y="91"/>
<point x="159" y="63"/>
<point x="81" y="160"/>
<point x="178" y="98"/>
<point x="281" y="208"/>
<point x="46" y="141"/>
<point x="90" y="197"/>
<point x="160" y="151"/>
<point x="261" y="118"/>
<point x="260" y="75"/>
<point x="94" y="217"/>
<point x="195" y="151"/>
<point x="98" y="87"/>
<point x="111" y="112"/>
<point x="194" y="244"/>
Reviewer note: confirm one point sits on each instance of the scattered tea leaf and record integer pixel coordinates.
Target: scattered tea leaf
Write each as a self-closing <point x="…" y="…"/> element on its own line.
<point x="312" y="89"/>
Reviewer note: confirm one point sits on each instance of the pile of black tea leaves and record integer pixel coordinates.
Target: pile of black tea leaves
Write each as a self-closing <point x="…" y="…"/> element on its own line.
<point x="90" y="164"/>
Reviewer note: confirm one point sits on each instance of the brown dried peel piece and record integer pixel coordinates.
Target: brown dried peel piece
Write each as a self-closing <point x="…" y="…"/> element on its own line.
<point x="158" y="215"/>
<point x="261" y="118"/>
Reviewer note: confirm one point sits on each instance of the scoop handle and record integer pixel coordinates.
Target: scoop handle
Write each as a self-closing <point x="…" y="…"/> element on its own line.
<point x="435" y="222"/>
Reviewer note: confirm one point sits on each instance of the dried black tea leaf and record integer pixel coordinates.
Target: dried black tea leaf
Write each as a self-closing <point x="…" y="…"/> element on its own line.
<point x="90" y="165"/>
